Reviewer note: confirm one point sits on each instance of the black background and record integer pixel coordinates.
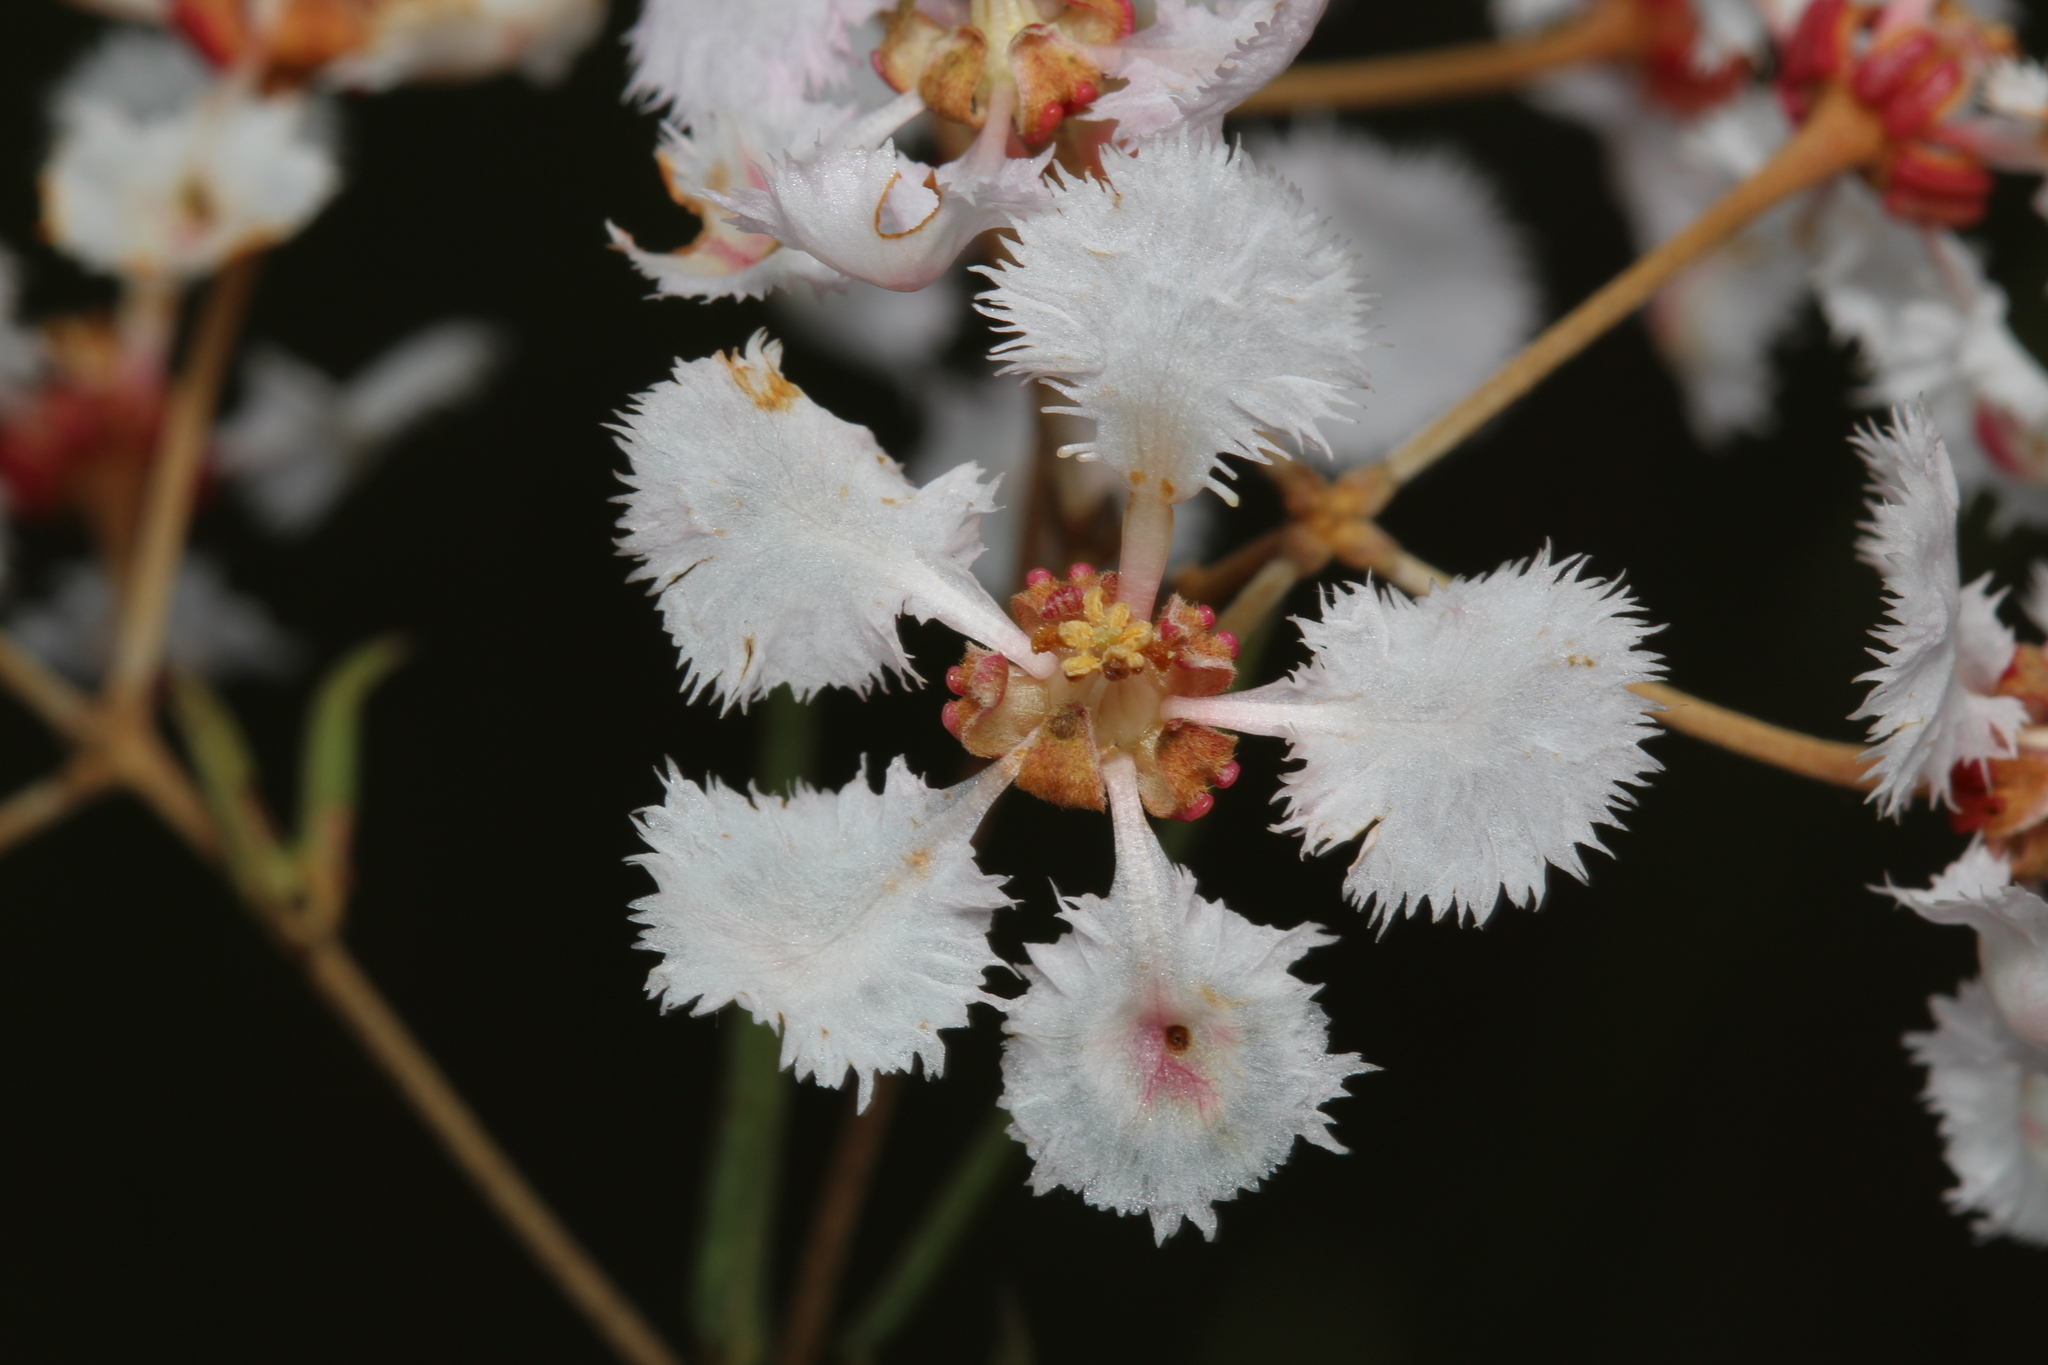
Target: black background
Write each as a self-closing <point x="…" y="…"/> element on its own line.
<point x="1665" y="1117"/>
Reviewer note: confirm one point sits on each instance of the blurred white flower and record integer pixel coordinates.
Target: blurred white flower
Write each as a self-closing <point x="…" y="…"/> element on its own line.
<point x="299" y="438"/>
<point x="214" y="631"/>
<point x="1453" y="295"/>
<point x="854" y="922"/>
<point x="461" y="40"/>
<point x="1990" y="1088"/>
<point x="1471" y="736"/>
<point x="157" y="168"/>
<point x="1176" y="340"/>
<point x="700" y="56"/>
<point x="1164" y="1057"/>
<point x="1930" y="706"/>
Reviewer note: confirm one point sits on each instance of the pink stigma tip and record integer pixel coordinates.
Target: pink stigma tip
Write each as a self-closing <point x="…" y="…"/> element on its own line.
<point x="1037" y="576"/>
<point x="1228" y="641"/>
<point x="950" y="718"/>
<point x="1080" y="571"/>
<point x="1227" y="775"/>
<point x="1208" y="615"/>
<point x="1197" y="808"/>
<point x="956" y="680"/>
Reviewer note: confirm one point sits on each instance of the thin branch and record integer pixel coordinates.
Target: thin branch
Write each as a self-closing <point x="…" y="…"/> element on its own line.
<point x="43" y="803"/>
<point x="341" y="983"/>
<point x="1840" y="135"/>
<point x="1259" y="598"/>
<point x="832" y="1226"/>
<point x="173" y="486"/>
<point x="1824" y="760"/>
<point x="62" y="707"/>
<point x="1607" y="32"/>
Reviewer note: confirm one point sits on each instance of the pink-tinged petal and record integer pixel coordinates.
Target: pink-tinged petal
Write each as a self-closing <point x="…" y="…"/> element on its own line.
<point x="1164" y="1057"/>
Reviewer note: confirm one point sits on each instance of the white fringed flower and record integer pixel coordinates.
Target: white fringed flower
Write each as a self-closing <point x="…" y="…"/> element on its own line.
<point x="724" y="149"/>
<point x="692" y="56"/>
<point x="214" y="631"/>
<point x="1991" y="1090"/>
<point x="856" y="922"/>
<point x="877" y="215"/>
<point x="783" y="543"/>
<point x="1945" y="648"/>
<point x="157" y="169"/>
<point x="1193" y="64"/>
<point x="1164" y="1057"/>
<point x="1187" y="307"/>
<point x="1471" y="735"/>
<point x="1453" y="294"/>
<point x="299" y="438"/>
<point x="2012" y="933"/>
<point x="463" y="40"/>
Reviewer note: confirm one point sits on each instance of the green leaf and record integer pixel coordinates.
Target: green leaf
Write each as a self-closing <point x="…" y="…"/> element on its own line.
<point x="328" y="770"/>
<point x="937" y="1235"/>
<point x="227" y="775"/>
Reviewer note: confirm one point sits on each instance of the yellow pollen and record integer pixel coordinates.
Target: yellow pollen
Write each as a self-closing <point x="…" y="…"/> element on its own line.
<point x="1105" y="637"/>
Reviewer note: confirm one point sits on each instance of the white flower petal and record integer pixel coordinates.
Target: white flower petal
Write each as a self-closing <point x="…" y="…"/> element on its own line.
<point x="464" y="40"/>
<point x="1991" y="1090"/>
<point x="1188" y="308"/>
<point x="1110" y="1100"/>
<point x="1192" y="65"/>
<point x="881" y="217"/>
<point x="1944" y="646"/>
<point x="156" y="169"/>
<point x="214" y="631"/>
<point x="299" y="439"/>
<point x="783" y="543"/>
<point x="1453" y="293"/>
<point x="2012" y="933"/>
<point x="856" y="922"/>
<point x="1472" y="735"/>
<point x="724" y="149"/>
<point x="698" y="55"/>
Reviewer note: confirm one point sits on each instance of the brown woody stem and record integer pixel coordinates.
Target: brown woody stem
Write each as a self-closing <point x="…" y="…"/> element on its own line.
<point x="1607" y="32"/>
<point x="832" y="1227"/>
<point x="1840" y="135"/>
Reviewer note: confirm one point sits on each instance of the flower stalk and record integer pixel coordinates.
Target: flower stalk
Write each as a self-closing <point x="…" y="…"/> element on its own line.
<point x="1841" y="135"/>
<point x="845" y="1192"/>
<point x="1606" y="32"/>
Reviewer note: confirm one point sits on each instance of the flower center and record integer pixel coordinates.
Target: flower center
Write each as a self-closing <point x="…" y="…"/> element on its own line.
<point x="1177" y="1038"/>
<point x="1105" y="697"/>
<point x="1044" y="68"/>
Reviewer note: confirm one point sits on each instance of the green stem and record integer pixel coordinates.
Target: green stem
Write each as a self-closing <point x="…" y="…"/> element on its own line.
<point x="934" y="1240"/>
<point x="730" y="1295"/>
<point x="731" y="1290"/>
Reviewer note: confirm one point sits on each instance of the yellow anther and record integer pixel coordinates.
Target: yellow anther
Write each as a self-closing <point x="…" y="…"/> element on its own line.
<point x="1076" y="634"/>
<point x="1081" y="665"/>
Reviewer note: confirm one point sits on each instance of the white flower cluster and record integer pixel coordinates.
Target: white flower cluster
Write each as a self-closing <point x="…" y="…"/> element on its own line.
<point x="1163" y="1056"/>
